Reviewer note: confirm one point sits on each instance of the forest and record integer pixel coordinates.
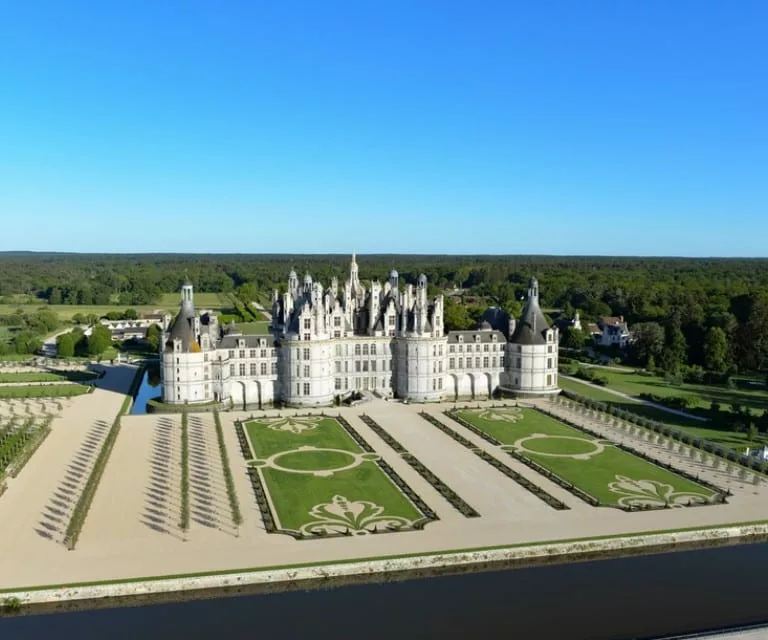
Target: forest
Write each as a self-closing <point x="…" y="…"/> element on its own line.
<point x="684" y="312"/>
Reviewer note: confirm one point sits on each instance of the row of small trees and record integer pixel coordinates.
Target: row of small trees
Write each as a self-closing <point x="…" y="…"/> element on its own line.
<point x="184" y="521"/>
<point x="234" y="504"/>
<point x="80" y="512"/>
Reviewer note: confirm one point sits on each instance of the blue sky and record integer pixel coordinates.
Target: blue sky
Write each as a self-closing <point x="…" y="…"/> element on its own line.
<point x="605" y="127"/>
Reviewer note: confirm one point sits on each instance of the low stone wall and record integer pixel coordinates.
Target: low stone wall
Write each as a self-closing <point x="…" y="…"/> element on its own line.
<point x="356" y="572"/>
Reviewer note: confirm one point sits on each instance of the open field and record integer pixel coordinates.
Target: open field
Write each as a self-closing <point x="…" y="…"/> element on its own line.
<point x="203" y="300"/>
<point x="736" y="440"/>
<point x="253" y="328"/>
<point x="701" y="395"/>
<point x="317" y="477"/>
<point x="604" y="471"/>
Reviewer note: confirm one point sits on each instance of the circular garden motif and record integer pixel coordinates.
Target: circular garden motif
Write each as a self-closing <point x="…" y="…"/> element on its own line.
<point x="317" y="460"/>
<point x="560" y="446"/>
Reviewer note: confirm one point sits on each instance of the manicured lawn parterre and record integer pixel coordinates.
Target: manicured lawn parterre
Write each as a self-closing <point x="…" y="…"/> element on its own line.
<point x="203" y="300"/>
<point x="320" y="481"/>
<point x="47" y="376"/>
<point x="598" y="467"/>
<point x="44" y="391"/>
<point x="253" y="328"/>
<point x="702" y="429"/>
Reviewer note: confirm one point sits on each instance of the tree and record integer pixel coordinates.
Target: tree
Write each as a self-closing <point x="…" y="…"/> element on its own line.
<point x="153" y="337"/>
<point x="648" y="341"/>
<point x="715" y="350"/>
<point x="456" y="316"/>
<point x="130" y="314"/>
<point x="99" y="340"/>
<point x="675" y="346"/>
<point x="574" y="338"/>
<point x="65" y="345"/>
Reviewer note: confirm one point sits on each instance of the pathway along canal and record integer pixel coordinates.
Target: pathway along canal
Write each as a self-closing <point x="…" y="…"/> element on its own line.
<point x="640" y="597"/>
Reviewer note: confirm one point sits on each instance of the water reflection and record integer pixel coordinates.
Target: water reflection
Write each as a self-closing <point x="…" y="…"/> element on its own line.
<point x="150" y="387"/>
<point x="640" y="597"/>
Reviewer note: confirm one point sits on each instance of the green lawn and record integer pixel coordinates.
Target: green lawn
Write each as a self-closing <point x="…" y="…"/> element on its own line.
<point x="43" y="391"/>
<point x="596" y="466"/>
<point x="335" y="499"/>
<point x="253" y="328"/>
<point x="48" y="376"/>
<point x="203" y="300"/>
<point x="701" y="395"/>
<point x="708" y="430"/>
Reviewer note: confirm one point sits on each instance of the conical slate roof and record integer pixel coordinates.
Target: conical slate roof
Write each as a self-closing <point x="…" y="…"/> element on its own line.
<point x="532" y="326"/>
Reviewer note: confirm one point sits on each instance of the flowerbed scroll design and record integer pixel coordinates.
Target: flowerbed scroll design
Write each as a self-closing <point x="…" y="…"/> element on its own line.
<point x="344" y="516"/>
<point x="642" y="493"/>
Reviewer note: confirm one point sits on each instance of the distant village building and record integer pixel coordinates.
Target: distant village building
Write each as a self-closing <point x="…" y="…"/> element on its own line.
<point x="328" y="343"/>
<point x="136" y="329"/>
<point x="611" y="331"/>
<point x="760" y="453"/>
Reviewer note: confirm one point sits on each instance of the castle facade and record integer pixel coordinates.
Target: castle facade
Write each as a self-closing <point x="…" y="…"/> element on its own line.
<point x="386" y="339"/>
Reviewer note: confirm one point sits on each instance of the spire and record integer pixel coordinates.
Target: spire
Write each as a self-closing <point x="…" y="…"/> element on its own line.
<point x="533" y="291"/>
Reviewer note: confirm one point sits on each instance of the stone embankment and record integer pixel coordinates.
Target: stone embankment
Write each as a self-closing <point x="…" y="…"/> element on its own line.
<point x="383" y="570"/>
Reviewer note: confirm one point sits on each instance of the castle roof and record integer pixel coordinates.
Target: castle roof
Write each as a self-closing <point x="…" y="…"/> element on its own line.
<point x="532" y="326"/>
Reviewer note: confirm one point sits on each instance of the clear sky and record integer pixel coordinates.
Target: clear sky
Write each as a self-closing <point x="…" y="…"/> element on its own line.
<point x="603" y="127"/>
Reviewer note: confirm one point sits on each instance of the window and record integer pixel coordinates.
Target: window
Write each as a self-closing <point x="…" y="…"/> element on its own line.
<point x="549" y="379"/>
<point x="391" y="365"/>
<point x="485" y="362"/>
<point x="434" y="384"/>
<point x="365" y="349"/>
<point x="373" y="349"/>
<point x="274" y="368"/>
<point x="306" y="354"/>
<point x="306" y="388"/>
<point x="231" y="369"/>
<point x="549" y="348"/>
<point x="357" y="366"/>
<point x="451" y="363"/>
<point x="231" y="353"/>
<point x="346" y="384"/>
<point x="306" y="371"/>
<point x="346" y="366"/>
<point x="242" y="368"/>
<point x="272" y="352"/>
<point x="307" y="323"/>
<point x="493" y="361"/>
<point x="434" y="350"/>
<point x="338" y="366"/>
<point x="373" y="365"/>
<point x="485" y="347"/>
<point x="205" y="357"/>
<point x="338" y="350"/>
<point x="517" y="363"/>
<point x="549" y="364"/>
<point x="477" y="363"/>
<point x="337" y="323"/>
<point x="298" y="354"/>
<point x="337" y="334"/>
<point x="440" y="350"/>
<point x="440" y="366"/>
<point x="469" y="363"/>
<point x="357" y="349"/>
<point x="452" y="349"/>
<point x="298" y="370"/>
<point x="306" y="336"/>
<point x="263" y="368"/>
<point x="252" y="353"/>
<point x="461" y="362"/>
<point x="241" y="354"/>
<point x="439" y="383"/>
<point x="391" y="320"/>
<point x="337" y="384"/>
<point x="263" y="353"/>
<point x="253" y="369"/>
<point x="365" y="365"/>
<point x="461" y="348"/>
<point x="298" y="388"/>
<point x="501" y="361"/>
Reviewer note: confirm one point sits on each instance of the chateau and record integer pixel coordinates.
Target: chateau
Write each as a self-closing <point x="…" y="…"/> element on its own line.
<point x="327" y="343"/>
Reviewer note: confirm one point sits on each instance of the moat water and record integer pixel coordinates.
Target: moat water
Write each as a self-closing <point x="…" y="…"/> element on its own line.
<point x="618" y="599"/>
<point x="151" y="387"/>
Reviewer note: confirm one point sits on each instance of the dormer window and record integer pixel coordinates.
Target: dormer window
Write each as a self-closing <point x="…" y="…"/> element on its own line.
<point x="477" y="338"/>
<point x="461" y="338"/>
